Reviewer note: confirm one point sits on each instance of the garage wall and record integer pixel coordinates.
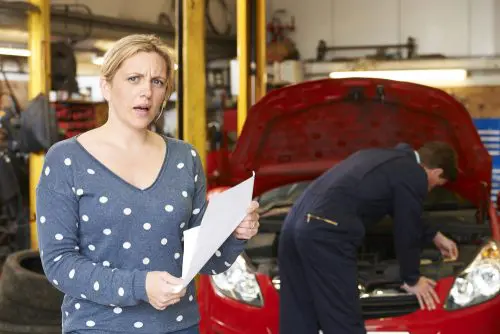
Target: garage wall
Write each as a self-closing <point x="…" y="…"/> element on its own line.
<point x="450" y="27"/>
<point x="129" y="9"/>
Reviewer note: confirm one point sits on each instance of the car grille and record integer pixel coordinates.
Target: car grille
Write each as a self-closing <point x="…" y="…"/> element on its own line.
<point x="376" y="306"/>
<point x="384" y="307"/>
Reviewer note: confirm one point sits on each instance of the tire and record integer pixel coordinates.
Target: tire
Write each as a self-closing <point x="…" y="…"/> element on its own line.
<point x="8" y="328"/>
<point x="24" y="283"/>
<point x="18" y="314"/>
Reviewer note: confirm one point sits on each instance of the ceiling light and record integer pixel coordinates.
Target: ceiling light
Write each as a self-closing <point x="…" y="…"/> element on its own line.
<point x="14" y="52"/>
<point x="417" y="76"/>
<point x="97" y="60"/>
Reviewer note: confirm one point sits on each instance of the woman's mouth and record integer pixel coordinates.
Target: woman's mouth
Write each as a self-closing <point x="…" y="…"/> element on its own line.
<point x="142" y="110"/>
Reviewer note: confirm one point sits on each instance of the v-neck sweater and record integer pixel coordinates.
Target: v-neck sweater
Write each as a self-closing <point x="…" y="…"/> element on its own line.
<point x="99" y="236"/>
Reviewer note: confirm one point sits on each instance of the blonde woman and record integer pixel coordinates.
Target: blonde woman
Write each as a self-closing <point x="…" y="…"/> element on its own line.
<point x="112" y="204"/>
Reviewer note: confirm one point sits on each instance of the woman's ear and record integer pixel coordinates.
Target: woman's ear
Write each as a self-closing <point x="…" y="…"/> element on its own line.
<point x="105" y="88"/>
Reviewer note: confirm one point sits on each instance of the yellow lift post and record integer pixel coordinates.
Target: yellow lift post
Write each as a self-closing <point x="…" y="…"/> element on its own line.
<point x="39" y="82"/>
<point x="191" y="75"/>
<point x="251" y="51"/>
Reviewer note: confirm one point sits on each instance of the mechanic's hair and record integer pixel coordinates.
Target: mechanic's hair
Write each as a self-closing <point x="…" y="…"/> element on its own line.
<point x="438" y="154"/>
<point x="129" y="46"/>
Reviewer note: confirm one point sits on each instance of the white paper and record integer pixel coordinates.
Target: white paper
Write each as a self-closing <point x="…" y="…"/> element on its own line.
<point x="224" y="213"/>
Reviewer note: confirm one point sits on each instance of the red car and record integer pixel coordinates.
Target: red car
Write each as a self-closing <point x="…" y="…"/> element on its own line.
<point x="293" y="135"/>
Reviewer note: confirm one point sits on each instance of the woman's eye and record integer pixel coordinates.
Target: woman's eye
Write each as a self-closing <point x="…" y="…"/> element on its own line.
<point x="158" y="83"/>
<point x="133" y="79"/>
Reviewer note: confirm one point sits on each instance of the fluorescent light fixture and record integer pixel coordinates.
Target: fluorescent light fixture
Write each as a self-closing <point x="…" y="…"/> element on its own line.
<point x="15" y="52"/>
<point x="418" y="76"/>
<point x="97" y="60"/>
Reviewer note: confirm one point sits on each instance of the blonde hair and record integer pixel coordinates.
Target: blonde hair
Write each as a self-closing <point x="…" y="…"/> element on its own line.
<point x="129" y="46"/>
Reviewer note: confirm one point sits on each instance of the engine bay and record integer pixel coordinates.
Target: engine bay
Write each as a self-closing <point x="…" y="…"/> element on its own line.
<point x="378" y="269"/>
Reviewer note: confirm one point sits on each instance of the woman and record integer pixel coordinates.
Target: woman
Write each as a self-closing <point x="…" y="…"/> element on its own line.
<point x="112" y="204"/>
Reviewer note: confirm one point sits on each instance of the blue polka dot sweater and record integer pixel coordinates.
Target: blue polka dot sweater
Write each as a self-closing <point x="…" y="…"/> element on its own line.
<point x="99" y="236"/>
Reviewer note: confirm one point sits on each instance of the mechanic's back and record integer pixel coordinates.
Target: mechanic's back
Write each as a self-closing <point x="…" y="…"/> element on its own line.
<point x="320" y="236"/>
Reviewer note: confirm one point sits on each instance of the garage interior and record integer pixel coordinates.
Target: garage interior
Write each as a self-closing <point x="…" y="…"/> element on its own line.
<point x="235" y="57"/>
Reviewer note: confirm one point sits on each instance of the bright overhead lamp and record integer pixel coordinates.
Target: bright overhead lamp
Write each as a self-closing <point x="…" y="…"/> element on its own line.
<point x="97" y="60"/>
<point x="14" y="52"/>
<point x="418" y="76"/>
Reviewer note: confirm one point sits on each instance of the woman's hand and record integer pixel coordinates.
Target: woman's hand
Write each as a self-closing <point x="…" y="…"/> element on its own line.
<point x="249" y="226"/>
<point x="161" y="289"/>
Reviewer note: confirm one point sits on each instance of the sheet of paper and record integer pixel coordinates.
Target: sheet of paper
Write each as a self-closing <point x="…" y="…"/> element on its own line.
<point x="224" y="213"/>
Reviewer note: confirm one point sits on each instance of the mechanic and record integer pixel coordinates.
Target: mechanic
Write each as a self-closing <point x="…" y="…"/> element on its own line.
<point x="321" y="234"/>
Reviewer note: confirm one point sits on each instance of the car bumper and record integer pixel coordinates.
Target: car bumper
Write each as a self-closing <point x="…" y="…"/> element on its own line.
<point x="221" y="315"/>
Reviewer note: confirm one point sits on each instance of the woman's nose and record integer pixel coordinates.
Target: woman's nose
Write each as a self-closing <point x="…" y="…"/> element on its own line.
<point x="146" y="89"/>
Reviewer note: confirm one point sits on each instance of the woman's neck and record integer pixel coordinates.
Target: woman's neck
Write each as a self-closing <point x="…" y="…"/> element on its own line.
<point x="123" y="136"/>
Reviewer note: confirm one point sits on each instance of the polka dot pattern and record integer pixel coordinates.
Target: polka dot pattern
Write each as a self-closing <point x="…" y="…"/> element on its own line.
<point x="121" y="218"/>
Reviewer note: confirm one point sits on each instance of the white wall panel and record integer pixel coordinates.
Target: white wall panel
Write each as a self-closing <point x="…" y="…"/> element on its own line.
<point x="439" y="26"/>
<point x="482" y="27"/>
<point x="450" y="27"/>
<point x="362" y="22"/>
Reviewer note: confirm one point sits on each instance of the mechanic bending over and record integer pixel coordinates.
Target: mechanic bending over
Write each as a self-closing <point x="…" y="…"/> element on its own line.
<point x="321" y="234"/>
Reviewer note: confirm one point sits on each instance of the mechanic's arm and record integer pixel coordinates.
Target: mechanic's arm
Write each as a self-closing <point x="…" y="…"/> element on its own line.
<point x="428" y="231"/>
<point x="408" y="206"/>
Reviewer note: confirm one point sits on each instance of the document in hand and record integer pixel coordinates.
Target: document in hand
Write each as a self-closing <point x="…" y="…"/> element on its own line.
<point x="224" y="213"/>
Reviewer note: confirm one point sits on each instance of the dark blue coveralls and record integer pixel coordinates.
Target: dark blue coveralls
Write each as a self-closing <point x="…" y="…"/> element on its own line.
<point x="320" y="236"/>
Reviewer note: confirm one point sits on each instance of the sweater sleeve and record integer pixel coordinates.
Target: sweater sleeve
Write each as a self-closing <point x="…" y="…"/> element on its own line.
<point x="232" y="247"/>
<point x="72" y="273"/>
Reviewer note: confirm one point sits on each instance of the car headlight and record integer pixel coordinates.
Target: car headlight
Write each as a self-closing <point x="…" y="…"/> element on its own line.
<point x="239" y="283"/>
<point x="479" y="282"/>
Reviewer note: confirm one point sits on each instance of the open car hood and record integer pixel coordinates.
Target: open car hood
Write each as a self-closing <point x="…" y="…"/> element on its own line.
<point x="297" y="132"/>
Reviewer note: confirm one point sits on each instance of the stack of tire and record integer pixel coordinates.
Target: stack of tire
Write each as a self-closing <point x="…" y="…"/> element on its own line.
<point x="28" y="302"/>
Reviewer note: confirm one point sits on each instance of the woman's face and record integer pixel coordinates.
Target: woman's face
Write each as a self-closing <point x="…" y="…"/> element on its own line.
<point x="137" y="91"/>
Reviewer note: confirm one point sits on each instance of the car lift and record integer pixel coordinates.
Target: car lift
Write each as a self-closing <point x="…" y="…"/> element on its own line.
<point x="39" y="82"/>
<point x="191" y="78"/>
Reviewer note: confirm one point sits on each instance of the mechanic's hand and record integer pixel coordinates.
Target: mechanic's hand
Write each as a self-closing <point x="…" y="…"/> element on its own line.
<point x="424" y="290"/>
<point x="447" y="246"/>
<point x="161" y="289"/>
<point x="249" y="226"/>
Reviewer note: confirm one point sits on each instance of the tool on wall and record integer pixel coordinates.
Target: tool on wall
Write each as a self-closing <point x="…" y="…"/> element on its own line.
<point x="381" y="50"/>
<point x="280" y="46"/>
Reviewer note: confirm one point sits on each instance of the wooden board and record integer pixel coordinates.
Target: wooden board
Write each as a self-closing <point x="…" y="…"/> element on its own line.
<point x="481" y="102"/>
